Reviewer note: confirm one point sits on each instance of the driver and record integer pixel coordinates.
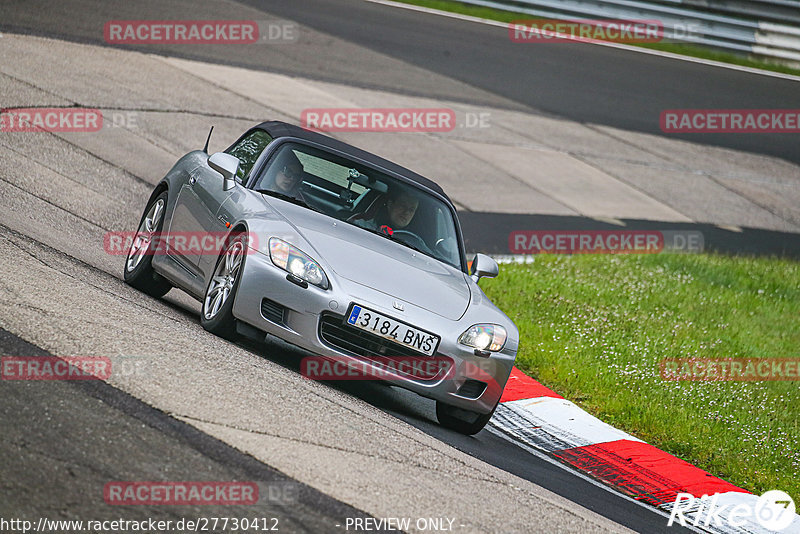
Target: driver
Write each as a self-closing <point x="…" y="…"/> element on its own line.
<point x="289" y="176"/>
<point x="398" y="212"/>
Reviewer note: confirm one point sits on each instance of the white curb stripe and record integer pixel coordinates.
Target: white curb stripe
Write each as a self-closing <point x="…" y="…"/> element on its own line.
<point x="551" y="424"/>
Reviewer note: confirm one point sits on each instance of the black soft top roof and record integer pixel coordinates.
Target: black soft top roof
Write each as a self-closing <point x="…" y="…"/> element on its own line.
<point x="278" y="129"/>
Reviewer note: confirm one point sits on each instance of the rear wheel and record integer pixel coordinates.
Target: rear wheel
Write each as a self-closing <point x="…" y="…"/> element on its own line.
<point x="216" y="315"/>
<point x="139" y="271"/>
<point x="462" y="421"/>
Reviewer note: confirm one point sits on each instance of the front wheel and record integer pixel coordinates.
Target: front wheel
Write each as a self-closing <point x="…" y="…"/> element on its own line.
<point x="216" y="315"/>
<point x="139" y="271"/>
<point x="462" y="421"/>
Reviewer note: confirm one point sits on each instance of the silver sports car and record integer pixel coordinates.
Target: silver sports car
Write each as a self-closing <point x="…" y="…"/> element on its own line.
<point x="352" y="258"/>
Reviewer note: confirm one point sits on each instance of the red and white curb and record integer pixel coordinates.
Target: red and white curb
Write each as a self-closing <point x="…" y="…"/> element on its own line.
<point x="531" y="414"/>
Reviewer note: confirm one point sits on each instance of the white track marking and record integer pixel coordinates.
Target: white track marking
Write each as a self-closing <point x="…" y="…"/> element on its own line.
<point x="582" y="476"/>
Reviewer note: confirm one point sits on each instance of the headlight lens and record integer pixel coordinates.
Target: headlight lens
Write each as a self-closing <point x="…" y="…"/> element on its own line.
<point x="491" y="337"/>
<point x="297" y="262"/>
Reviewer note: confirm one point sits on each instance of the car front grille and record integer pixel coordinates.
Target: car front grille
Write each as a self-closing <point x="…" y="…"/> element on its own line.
<point x="339" y="335"/>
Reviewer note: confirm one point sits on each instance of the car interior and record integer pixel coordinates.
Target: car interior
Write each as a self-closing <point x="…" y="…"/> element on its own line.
<point x="336" y="187"/>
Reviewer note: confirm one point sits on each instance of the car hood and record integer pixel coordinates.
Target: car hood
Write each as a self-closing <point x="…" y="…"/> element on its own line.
<point x="379" y="263"/>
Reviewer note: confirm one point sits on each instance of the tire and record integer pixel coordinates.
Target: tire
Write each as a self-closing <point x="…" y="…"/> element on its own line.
<point x="216" y="314"/>
<point x="462" y="421"/>
<point x="138" y="271"/>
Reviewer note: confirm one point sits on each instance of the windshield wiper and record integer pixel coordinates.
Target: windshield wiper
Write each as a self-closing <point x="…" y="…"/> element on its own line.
<point x="287" y="198"/>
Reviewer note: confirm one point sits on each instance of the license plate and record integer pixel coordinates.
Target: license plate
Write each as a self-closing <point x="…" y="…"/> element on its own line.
<point x="393" y="330"/>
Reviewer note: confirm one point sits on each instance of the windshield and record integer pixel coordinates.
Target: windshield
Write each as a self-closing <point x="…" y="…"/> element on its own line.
<point x="363" y="197"/>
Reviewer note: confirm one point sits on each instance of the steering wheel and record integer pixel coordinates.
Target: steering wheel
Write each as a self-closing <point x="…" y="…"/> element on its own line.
<point x="412" y="239"/>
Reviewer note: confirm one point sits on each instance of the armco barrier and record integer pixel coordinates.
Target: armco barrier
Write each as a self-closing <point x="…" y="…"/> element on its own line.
<point x="784" y="11"/>
<point x="763" y="28"/>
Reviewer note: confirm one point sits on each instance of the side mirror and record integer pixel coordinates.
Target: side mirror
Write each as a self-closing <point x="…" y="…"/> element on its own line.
<point x="484" y="266"/>
<point x="226" y="165"/>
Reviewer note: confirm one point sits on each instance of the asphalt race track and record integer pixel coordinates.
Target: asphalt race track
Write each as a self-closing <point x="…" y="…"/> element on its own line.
<point x="591" y="84"/>
<point x="101" y="432"/>
<point x="195" y="407"/>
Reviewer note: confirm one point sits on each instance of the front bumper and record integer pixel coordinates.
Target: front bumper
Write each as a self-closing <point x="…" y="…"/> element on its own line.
<point x="299" y="324"/>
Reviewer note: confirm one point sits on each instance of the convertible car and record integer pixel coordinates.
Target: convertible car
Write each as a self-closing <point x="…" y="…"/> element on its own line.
<point x="350" y="257"/>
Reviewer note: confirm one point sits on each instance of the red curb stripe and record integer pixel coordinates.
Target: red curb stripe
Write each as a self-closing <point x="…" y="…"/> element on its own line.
<point x="644" y="472"/>
<point x="521" y="386"/>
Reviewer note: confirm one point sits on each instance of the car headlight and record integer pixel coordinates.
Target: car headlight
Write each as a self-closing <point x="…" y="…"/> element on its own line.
<point x="296" y="262"/>
<point x="491" y="337"/>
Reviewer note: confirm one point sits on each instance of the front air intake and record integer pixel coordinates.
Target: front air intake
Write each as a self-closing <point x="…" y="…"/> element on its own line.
<point x="472" y="389"/>
<point x="272" y="311"/>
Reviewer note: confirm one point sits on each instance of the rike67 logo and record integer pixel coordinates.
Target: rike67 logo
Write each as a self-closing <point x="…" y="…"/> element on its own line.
<point x="773" y="511"/>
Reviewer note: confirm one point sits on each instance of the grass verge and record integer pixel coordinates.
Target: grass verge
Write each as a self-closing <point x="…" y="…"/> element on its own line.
<point x="691" y="50"/>
<point x="594" y="328"/>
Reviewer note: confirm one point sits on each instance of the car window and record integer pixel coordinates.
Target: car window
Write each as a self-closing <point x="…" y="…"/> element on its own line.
<point x="364" y="197"/>
<point x="248" y="149"/>
<point x="333" y="176"/>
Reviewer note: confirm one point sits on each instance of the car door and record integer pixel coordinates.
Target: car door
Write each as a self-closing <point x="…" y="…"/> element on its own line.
<point x="194" y="216"/>
<point x="198" y="204"/>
